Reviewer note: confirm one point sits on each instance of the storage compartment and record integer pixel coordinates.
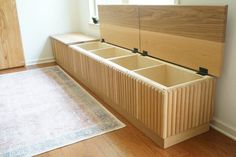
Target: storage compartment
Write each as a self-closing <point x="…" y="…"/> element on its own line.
<point x="94" y="46"/>
<point x="136" y="62"/>
<point x="111" y="52"/>
<point x="168" y="75"/>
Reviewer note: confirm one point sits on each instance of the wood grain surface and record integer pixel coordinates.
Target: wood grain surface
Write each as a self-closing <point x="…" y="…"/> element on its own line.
<point x="201" y="22"/>
<point x="121" y="15"/>
<point x="11" y="50"/>
<point x="119" y="25"/>
<point x="190" y="36"/>
<point x="73" y="38"/>
<point x="62" y="55"/>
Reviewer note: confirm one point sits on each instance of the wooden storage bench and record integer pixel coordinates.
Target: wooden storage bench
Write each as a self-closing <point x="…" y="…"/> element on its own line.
<point x="162" y="80"/>
<point x="167" y="102"/>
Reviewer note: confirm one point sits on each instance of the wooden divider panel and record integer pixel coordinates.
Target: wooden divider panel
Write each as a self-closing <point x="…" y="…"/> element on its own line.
<point x="119" y="25"/>
<point x="190" y="36"/>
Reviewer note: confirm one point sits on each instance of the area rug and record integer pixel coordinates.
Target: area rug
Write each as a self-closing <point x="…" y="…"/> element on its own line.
<point x="44" y="109"/>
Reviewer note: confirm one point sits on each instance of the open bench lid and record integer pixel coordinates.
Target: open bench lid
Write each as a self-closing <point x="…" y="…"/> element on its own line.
<point x="189" y="36"/>
<point x="119" y="25"/>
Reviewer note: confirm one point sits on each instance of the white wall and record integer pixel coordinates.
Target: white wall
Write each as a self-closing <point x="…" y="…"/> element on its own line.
<point x="225" y="106"/>
<point x="84" y="16"/>
<point x="41" y="18"/>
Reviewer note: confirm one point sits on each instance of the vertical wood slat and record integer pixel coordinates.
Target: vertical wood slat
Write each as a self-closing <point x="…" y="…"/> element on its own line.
<point x="63" y="57"/>
<point x="110" y="84"/>
<point x="190" y="106"/>
<point x="150" y="106"/>
<point x="126" y="93"/>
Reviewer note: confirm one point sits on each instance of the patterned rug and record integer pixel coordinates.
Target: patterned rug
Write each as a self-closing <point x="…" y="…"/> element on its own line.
<point x="44" y="109"/>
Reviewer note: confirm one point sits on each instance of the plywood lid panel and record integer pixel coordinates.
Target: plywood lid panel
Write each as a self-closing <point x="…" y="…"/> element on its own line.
<point x="119" y="25"/>
<point x="190" y="36"/>
<point x="73" y="38"/>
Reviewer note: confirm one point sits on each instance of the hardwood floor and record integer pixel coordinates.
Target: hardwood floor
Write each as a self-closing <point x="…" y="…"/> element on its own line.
<point x="130" y="142"/>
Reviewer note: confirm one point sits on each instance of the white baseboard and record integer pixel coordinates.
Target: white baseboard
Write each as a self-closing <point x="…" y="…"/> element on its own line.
<point x="224" y="128"/>
<point x="40" y="61"/>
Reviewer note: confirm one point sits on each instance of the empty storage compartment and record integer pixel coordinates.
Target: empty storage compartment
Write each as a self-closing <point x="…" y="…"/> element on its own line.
<point x="111" y="52"/>
<point x="93" y="46"/>
<point x="168" y="75"/>
<point x="135" y="62"/>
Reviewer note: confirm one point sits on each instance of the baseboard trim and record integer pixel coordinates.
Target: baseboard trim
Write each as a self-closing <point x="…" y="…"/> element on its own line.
<point x="40" y="61"/>
<point x="224" y="129"/>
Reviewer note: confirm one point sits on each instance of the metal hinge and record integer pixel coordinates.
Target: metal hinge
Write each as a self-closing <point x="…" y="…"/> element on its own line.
<point x="135" y="50"/>
<point x="145" y="53"/>
<point x="202" y="71"/>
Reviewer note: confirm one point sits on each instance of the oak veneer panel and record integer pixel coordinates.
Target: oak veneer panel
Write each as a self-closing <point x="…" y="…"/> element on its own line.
<point x="110" y="84"/>
<point x="63" y="57"/>
<point x="190" y="106"/>
<point x="190" y="36"/>
<point x="11" y="50"/>
<point x="127" y="93"/>
<point x="121" y="15"/>
<point x="81" y="67"/>
<point x="150" y="102"/>
<point x="73" y="38"/>
<point x="119" y="25"/>
<point x="187" y="52"/>
<point x="201" y="22"/>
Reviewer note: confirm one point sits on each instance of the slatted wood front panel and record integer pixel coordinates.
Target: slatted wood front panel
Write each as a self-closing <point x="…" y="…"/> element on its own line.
<point x="63" y="57"/>
<point x="119" y="25"/>
<point x="138" y="99"/>
<point x="81" y="67"/>
<point x="115" y="87"/>
<point x="112" y="85"/>
<point x="191" y="36"/>
<point x="190" y="106"/>
<point x="150" y="107"/>
<point x="11" y="50"/>
<point x="127" y="93"/>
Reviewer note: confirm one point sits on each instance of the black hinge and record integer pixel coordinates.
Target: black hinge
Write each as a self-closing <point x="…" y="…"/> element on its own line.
<point x="202" y="71"/>
<point x="135" y="50"/>
<point x="103" y="40"/>
<point x="145" y="53"/>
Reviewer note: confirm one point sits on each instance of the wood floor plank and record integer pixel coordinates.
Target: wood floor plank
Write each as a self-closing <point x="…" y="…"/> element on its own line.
<point x="130" y="142"/>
